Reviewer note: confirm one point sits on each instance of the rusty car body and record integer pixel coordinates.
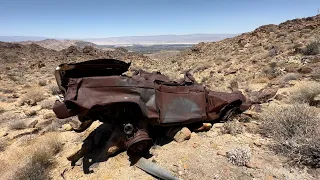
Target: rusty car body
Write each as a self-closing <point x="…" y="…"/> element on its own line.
<point x="99" y="90"/>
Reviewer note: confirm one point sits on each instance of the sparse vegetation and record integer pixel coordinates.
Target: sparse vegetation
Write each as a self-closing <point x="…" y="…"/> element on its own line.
<point x="253" y="61"/>
<point x="2" y="110"/>
<point x="46" y="104"/>
<point x="290" y="76"/>
<point x="232" y="127"/>
<point x="3" y="144"/>
<point x="55" y="90"/>
<point x="38" y="163"/>
<point x="313" y="48"/>
<point x="33" y="96"/>
<point x="305" y="92"/>
<point x="31" y="113"/>
<point x="6" y="90"/>
<point x="26" y="140"/>
<point x="233" y="85"/>
<point x="316" y="74"/>
<point x="42" y="83"/>
<point x="17" y="125"/>
<point x="271" y="71"/>
<point x="295" y="130"/>
<point x="239" y="156"/>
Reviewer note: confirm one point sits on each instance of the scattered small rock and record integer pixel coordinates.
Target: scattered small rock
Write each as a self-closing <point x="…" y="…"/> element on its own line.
<point x="44" y="123"/>
<point x="304" y="70"/>
<point x="23" y="132"/>
<point x="310" y="59"/>
<point x="185" y="166"/>
<point x="182" y="135"/>
<point x="213" y="133"/>
<point x="67" y="127"/>
<point x="49" y="115"/>
<point x="113" y="150"/>
<point x="280" y="97"/>
<point x="315" y="101"/>
<point x="251" y="114"/>
<point x="32" y="124"/>
<point x="180" y="173"/>
<point x="78" y="163"/>
<point x="3" y="133"/>
<point x="257" y="143"/>
<point x="263" y="95"/>
<point x="222" y="153"/>
<point x="30" y="113"/>
<point x="217" y="125"/>
<point x="230" y="71"/>
<point x="193" y="134"/>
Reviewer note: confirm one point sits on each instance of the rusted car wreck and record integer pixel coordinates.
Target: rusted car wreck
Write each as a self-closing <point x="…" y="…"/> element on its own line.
<point x="99" y="90"/>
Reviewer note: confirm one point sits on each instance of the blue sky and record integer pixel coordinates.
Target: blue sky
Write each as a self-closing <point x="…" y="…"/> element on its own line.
<point x="106" y="18"/>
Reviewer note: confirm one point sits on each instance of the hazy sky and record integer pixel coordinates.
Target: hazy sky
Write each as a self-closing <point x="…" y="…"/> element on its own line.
<point x="106" y="18"/>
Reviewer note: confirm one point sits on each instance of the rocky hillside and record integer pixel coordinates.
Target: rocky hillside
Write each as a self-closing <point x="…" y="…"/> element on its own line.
<point x="247" y="57"/>
<point x="276" y="66"/>
<point x="13" y="54"/>
<point x="59" y="44"/>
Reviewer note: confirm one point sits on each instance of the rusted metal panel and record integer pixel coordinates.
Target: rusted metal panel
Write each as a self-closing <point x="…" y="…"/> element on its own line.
<point x="160" y="100"/>
<point x="180" y="104"/>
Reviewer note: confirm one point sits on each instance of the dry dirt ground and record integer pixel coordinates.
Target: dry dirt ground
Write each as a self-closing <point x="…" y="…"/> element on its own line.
<point x="269" y="65"/>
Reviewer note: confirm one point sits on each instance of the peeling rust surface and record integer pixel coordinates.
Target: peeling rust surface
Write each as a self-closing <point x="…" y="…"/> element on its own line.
<point x="102" y="90"/>
<point x="98" y="90"/>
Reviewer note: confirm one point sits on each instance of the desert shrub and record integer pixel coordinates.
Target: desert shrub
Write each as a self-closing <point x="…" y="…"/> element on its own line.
<point x="313" y="48"/>
<point x="17" y="125"/>
<point x="47" y="104"/>
<point x="239" y="156"/>
<point x="305" y="92"/>
<point x="53" y="126"/>
<point x="33" y="96"/>
<point x="17" y="76"/>
<point x="6" y="91"/>
<point x="3" y="98"/>
<point x="232" y="127"/>
<point x="3" y="145"/>
<point x="31" y="170"/>
<point x="54" y="90"/>
<point x="2" y="110"/>
<point x="30" y="113"/>
<point x="10" y="117"/>
<point x="53" y="144"/>
<point x="271" y="71"/>
<point x="233" y="84"/>
<point x="290" y="76"/>
<point x="26" y="140"/>
<point x="316" y="74"/>
<point x="42" y="83"/>
<point x="204" y="79"/>
<point x="38" y="163"/>
<point x="295" y="130"/>
<point x="12" y="77"/>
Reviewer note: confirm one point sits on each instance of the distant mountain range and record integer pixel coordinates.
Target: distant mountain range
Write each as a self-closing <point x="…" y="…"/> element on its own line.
<point x="160" y="39"/>
<point x="21" y="38"/>
<point x="59" y="44"/>
<point x="130" y="40"/>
